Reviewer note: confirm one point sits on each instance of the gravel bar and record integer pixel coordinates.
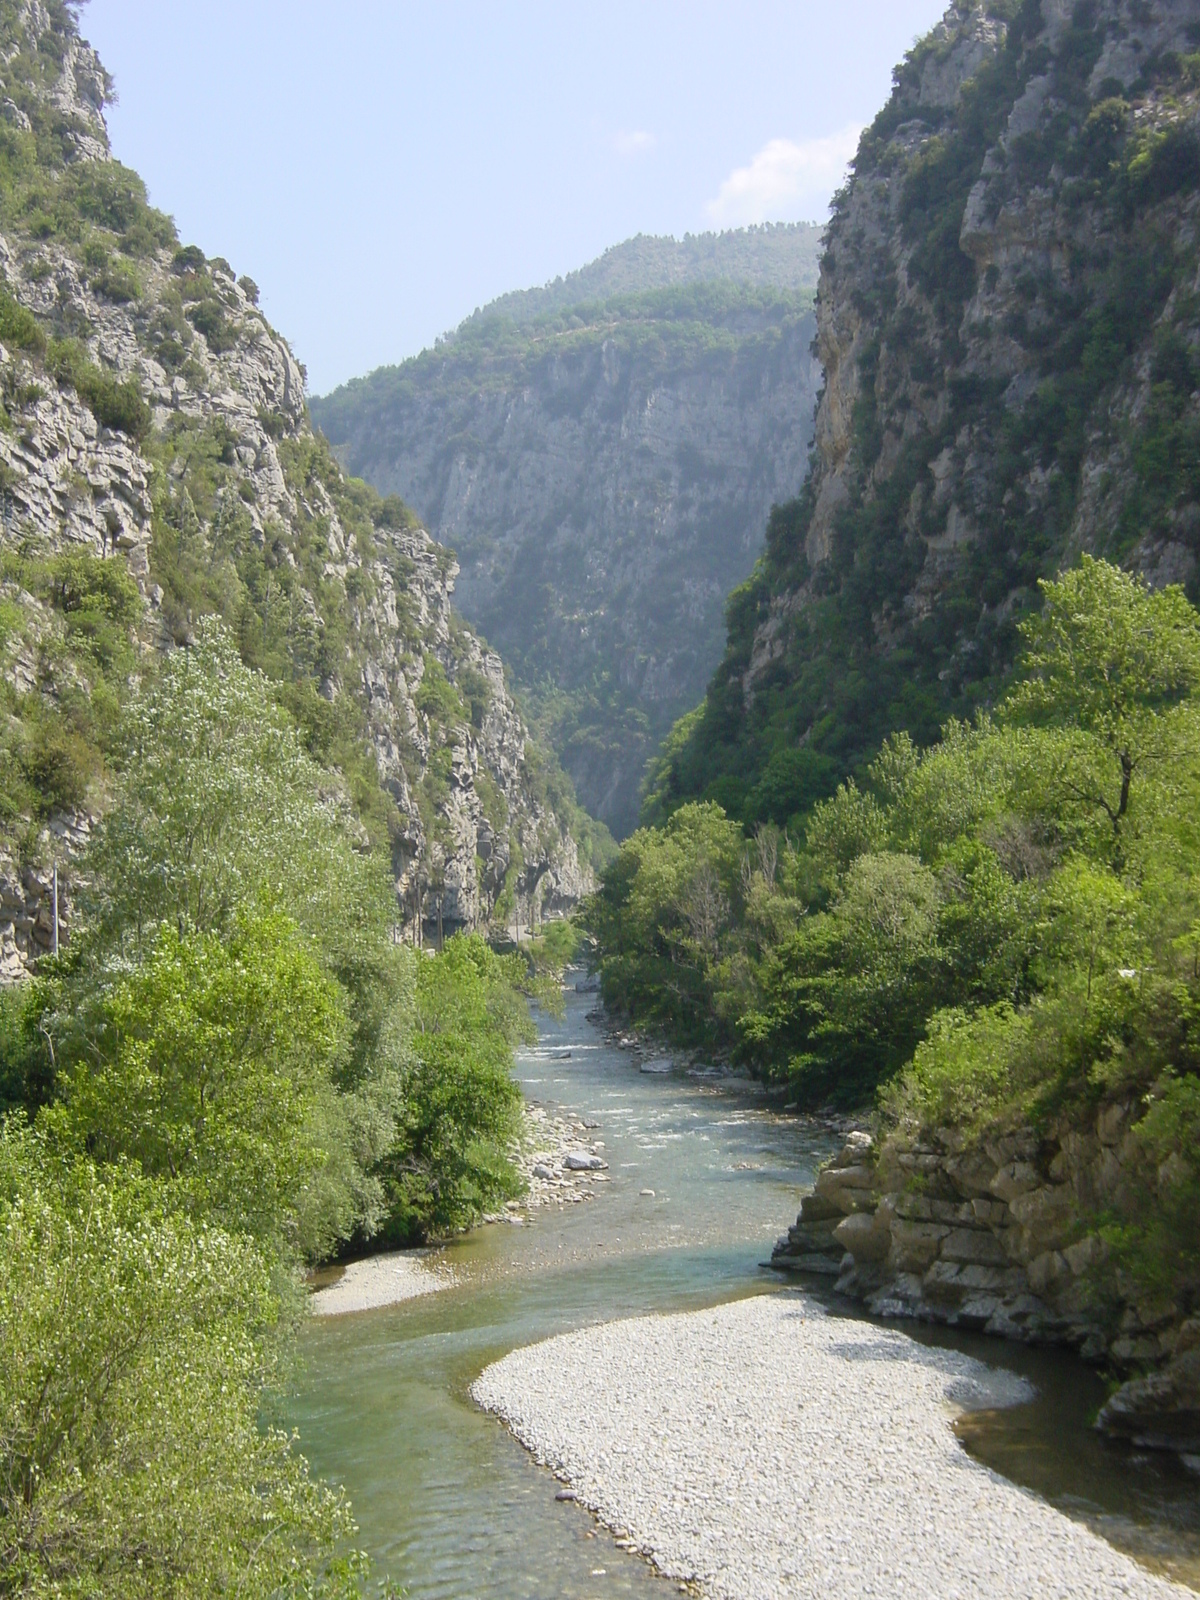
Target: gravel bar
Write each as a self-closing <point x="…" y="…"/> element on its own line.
<point x="768" y="1449"/>
<point x="381" y="1281"/>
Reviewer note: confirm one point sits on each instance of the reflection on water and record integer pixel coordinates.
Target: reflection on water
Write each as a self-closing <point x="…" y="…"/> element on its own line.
<point x="450" y="1506"/>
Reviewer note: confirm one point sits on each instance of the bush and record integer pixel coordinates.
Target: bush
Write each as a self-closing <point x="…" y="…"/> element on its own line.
<point x="19" y="327"/>
<point x="114" y="403"/>
<point x="208" y="317"/>
<point x="190" y="258"/>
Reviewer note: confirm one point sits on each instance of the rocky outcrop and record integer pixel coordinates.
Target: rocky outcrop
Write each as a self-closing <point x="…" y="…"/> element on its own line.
<point x="30" y="898"/>
<point x="999" y="1234"/>
<point x="604" y="476"/>
<point x="152" y="415"/>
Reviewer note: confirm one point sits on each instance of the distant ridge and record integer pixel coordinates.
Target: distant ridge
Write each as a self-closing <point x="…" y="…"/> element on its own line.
<point x="775" y="255"/>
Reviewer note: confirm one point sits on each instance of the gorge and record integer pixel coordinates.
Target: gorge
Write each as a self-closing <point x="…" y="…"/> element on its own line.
<point x="601" y="455"/>
<point x="324" y="986"/>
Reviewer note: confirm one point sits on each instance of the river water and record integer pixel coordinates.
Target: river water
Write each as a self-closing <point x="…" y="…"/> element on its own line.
<point x="450" y="1506"/>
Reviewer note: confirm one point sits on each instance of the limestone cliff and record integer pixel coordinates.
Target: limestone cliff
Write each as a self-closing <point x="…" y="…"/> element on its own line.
<point x="603" y="464"/>
<point x="152" y="418"/>
<point x="1007" y="325"/>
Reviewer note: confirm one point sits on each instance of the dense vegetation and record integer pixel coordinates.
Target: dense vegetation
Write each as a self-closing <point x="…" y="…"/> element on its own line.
<point x="1001" y="926"/>
<point x="892" y="631"/>
<point x="233" y="1070"/>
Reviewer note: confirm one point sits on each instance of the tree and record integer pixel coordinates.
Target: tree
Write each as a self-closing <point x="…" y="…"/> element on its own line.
<point x="212" y="1063"/>
<point x="1111" y="658"/>
<point x="450" y="1161"/>
<point x="134" y="1346"/>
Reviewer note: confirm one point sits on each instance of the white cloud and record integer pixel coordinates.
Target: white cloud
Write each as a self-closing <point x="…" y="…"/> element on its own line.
<point x="785" y="181"/>
<point x="634" y="143"/>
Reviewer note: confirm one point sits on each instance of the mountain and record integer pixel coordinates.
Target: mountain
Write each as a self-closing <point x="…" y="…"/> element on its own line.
<point x="602" y="455"/>
<point x="157" y="463"/>
<point x="775" y="255"/>
<point x="1007" y="323"/>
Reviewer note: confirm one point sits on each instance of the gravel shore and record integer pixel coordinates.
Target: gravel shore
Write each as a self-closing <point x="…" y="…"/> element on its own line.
<point x="381" y="1281"/>
<point x="766" y="1449"/>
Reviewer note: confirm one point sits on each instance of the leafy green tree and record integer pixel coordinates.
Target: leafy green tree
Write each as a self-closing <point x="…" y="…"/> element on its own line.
<point x="134" y="1347"/>
<point x="1111" y="658"/>
<point x="450" y="1161"/>
<point x="213" y="1063"/>
<point x="221" y="818"/>
<point x="1044" y="860"/>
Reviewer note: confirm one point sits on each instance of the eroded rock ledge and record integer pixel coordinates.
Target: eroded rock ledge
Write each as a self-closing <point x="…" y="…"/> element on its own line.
<point x="994" y="1235"/>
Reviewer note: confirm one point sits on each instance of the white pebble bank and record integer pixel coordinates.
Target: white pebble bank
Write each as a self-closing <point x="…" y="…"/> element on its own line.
<point x="766" y="1449"/>
<point x="380" y="1281"/>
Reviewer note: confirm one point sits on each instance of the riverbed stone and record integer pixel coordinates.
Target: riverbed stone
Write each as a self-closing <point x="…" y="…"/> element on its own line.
<point x="1160" y="1410"/>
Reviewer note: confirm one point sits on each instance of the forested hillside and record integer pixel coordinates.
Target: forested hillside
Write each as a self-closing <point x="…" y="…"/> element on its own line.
<point x="602" y="454"/>
<point x="1007" y="327"/>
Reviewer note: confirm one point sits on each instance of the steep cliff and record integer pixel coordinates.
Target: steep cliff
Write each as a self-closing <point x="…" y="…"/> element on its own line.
<point x="1007" y="326"/>
<point x="602" y="455"/>
<point x="157" y="463"/>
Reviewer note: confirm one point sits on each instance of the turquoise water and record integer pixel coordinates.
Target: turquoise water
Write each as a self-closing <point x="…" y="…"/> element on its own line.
<point x="450" y="1506"/>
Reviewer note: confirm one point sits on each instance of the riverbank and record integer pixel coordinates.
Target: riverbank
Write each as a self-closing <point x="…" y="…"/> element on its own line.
<point x="560" y="1163"/>
<point x="769" y="1449"/>
<point x="999" y="1235"/>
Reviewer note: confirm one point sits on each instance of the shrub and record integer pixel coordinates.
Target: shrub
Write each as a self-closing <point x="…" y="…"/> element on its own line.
<point x="115" y="403"/>
<point x="188" y="259"/>
<point x="19" y="327"/>
<point x="208" y="317"/>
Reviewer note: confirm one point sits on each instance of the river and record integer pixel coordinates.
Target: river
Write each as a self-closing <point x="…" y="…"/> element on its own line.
<point x="450" y="1506"/>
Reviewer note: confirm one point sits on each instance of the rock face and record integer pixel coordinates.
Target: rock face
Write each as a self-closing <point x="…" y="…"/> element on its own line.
<point x="152" y="416"/>
<point x="999" y="1235"/>
<point x="1006" y="322"/>
<point x="603" y="469"/>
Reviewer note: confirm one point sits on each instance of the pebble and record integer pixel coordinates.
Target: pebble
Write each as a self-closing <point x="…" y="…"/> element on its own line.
<point x="771" y="1451"/>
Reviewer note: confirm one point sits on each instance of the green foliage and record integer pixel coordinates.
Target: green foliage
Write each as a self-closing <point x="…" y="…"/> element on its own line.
<point x="555" y="948"/>
<point x="134" y="1346"/>
<point x="19" y="327"/>
<point x="58" y="736"/>
<point x="213" y="1063"/>
<point x="1011" y="911"/>
<point x="114" y="403"/>
<point x="450" y="1162"/>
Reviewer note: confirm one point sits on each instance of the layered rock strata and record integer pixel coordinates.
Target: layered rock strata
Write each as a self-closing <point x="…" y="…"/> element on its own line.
<point x="998" y="1236"/>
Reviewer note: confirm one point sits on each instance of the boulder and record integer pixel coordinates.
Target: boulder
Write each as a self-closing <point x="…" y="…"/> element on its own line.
<point x="582" y="1161"/>
<point x="1159" y="1412"/>
<point x="866" y="1237"/>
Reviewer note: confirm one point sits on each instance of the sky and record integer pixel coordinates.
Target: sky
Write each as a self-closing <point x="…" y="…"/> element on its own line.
<point x="382" y="169"/>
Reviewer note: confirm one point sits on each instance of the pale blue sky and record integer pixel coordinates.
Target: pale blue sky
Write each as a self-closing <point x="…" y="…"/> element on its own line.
<point x="382" y="169"/>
